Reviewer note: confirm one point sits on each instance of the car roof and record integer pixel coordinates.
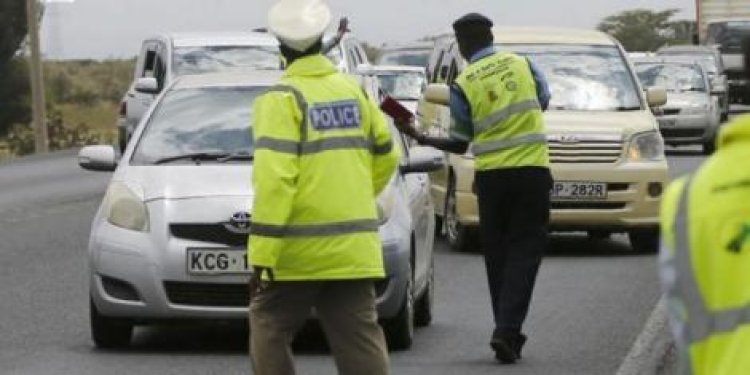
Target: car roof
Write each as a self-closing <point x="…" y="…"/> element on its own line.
<point x="547" y="35"/>
<point x="688" y="49"/>
<point x="245" y="78"/>
<point x="195" y="39"/>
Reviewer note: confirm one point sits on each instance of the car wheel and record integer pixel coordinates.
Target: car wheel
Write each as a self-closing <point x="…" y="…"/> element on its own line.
<point x="423" y="307"/>
<point x="399" y="331"/>
<point x="109" y="333"/>
<point x="644" y="241"/>
<point x="459" y="237"/>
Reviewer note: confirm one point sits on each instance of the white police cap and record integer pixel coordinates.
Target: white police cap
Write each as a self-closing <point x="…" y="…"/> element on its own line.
<point x="299" y="23"/>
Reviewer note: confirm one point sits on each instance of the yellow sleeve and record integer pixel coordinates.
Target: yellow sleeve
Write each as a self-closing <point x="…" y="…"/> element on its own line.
<point x="386" y="153"/>
<point x="275" y="172"/>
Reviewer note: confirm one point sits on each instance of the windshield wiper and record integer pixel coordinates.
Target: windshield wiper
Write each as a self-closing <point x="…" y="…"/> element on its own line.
<point x="240" y="155"/>
<point x="195" y="157"/>
<point x="625" y="108"/>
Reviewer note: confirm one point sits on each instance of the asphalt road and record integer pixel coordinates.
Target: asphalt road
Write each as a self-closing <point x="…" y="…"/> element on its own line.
<point x="591" y="302"/>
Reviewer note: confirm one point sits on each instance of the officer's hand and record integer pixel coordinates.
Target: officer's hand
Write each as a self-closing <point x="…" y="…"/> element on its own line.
<point x="343" y="26"/>
<point x="407" y="127"/>
<point x="256" y="280"/>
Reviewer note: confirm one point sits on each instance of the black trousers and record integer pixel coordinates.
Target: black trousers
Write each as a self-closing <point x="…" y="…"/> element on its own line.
<point x="514" y="207"/>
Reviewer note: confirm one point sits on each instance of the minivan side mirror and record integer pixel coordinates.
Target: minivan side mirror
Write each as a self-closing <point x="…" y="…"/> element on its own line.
<point x="438" y="93"/>
<point x="656" y="96"/>
<point x="100" y="158"/>
<point x="424" y="159"/>
<point x="147" y="85"/>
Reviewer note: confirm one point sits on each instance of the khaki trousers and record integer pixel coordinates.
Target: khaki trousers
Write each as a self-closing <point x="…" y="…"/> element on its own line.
<point x="346" y="310"/>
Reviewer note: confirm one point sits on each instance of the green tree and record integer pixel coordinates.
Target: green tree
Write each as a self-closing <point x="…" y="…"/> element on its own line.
<point x="14" y="91"/>
<point x="643" y="29"/>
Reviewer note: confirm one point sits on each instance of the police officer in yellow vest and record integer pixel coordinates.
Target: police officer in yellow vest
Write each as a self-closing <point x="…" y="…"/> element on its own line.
<point x="323" y="152"/>
<point x="497" y="104"/>
<point x="705" y="259"/>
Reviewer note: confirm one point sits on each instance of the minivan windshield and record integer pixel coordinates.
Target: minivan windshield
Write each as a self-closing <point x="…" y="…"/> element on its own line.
<point x="673" y="77"/>
<point x="583" y="77"/>
<point x="208" y="59"/>
<point x="211" y="121"/>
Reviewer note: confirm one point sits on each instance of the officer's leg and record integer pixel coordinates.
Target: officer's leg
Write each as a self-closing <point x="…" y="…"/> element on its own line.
<point x="346" y="310"/>
<point x="492" y="228"/>
<point x="276" y="314"/>
<point x="527" y="241"/>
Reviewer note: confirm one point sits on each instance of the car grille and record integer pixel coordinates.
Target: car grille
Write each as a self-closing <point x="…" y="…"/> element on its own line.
<point x="213" y="233"/>
<point x="207" y="294"/>
<point x="562" y="205"/>
<point x="684" y="132"/>
<point x="585" y="149"/>
<point x="671" y="111"/>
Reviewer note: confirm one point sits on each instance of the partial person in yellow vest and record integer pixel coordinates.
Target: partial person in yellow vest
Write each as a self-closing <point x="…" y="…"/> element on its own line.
<point x="496" y="105"/>
<point x="323" y="152"/>
<point x="705" y="259"/>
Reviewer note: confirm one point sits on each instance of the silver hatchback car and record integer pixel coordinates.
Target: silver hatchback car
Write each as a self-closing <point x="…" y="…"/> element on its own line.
<point x="169" y="239"/>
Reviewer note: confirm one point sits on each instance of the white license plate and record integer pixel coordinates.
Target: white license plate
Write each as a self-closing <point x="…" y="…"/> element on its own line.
<point x="572" y="190"/>
<point x="217" y="262"/>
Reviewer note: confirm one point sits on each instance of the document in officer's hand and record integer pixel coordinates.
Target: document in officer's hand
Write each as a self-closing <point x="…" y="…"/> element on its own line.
<point x="393" y="108"/>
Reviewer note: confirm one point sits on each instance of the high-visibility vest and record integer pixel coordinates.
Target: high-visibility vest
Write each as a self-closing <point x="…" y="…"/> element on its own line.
<point x="507" y="117"/>
<point x="323" y="152"/>
<point x="705" y="260"/>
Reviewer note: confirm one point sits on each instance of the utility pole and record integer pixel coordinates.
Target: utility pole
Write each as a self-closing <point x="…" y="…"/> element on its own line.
<point x="37" y="78"/>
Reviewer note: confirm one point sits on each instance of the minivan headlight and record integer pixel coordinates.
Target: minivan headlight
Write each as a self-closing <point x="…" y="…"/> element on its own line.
<point x="125" y="209"/>
<point x="647" y="146"/>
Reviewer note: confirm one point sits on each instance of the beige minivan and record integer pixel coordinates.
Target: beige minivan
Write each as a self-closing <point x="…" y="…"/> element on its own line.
<point x="605" y="147"/>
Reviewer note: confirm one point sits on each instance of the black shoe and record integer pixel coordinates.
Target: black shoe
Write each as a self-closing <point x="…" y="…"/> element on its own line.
<point x="508" y="347"/>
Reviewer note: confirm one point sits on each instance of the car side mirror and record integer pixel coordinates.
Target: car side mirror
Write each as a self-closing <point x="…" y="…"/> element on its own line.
<point x="656" y="96"/>
<point x="100" y="158"/>
<point x="438" y="93"/>
<point x="423" y="160"/>
<point x="147" y="85"/>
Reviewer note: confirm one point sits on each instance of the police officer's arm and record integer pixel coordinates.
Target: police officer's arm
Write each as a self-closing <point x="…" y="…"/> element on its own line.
<point x="542" y="86"/>
<point x="461" y="132"/>
<point x="275" y="172"/>
<point x="386" y="155"/>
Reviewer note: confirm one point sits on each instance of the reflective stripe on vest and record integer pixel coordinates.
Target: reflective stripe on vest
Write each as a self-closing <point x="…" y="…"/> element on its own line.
<point x="314" y="230"/>
<point x="305" y="147"/>
<point x="488" y="147"/>
<point x="500" y="116"/>
<point x="702" y="323"/>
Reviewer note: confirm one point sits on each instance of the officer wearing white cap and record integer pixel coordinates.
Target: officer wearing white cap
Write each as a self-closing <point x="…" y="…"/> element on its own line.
<point x="323" y="152"/>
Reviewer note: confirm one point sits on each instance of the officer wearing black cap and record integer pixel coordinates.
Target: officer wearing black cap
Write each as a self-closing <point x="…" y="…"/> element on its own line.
<point x="496" y="106"/>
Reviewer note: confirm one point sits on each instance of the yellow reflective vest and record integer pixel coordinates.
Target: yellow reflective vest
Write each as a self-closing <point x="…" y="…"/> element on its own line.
<point x="705" y="260"/>
<point x="323" y="152"/>
<point x="506" y="114"/>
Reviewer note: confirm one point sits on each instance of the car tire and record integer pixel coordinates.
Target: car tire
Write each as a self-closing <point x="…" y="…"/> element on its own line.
<point x="399" y="331"/>
<point x="423" y="306"/>
<point x="644" y="241"/>
<point x="109" y="333"/>
<point x="459" y="237"/>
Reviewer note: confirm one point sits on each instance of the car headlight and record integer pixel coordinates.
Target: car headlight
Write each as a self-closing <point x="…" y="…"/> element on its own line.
<point x="647" y="146"/>
<point x="126" y="209"/>
<point x="386" y="201"/>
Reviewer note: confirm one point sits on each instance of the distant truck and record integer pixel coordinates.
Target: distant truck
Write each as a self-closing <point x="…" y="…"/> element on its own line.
<point x="724" y="23"/>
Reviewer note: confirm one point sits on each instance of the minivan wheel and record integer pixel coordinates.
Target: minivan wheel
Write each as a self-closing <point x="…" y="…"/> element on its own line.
<point x="109" y="333"/>
<point x="644" y="241"/>
<point x="423" y="307"/>
<point x="459" y="237"/>
<point x="399" y="331"/>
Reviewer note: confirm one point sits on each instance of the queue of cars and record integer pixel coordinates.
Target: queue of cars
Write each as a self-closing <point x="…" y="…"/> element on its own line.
<point x="169" y="239"/>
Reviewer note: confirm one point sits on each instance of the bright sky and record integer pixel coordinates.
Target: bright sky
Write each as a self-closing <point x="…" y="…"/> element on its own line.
<point x="114" y="28"/>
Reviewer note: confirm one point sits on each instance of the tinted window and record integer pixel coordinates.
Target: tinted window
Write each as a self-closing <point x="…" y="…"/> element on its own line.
<point x="584" y="78"/>
<point x="197" y="60"/>
<point x="211" y="120"/>
<point x="673" y="77"/>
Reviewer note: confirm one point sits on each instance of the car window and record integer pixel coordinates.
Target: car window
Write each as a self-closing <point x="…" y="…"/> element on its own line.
<point x="206" y="59"/>
<point x="149" y="62"/>
<point x="583" y="77"/>
<point x="402" y="85"/>
<point x="452" y="72"/>
<point x="436" y="71"/>
<point x="673" y="77"/>
<point x="210" y="120"/>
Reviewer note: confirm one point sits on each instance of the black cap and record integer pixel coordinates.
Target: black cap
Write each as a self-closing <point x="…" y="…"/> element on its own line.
<point x="472" y="21"/>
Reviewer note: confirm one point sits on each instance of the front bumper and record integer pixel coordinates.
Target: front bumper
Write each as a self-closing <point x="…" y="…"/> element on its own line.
<point x="686" y="129"/>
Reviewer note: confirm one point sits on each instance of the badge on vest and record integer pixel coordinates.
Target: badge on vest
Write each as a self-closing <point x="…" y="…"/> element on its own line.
<point x="336" y="115"/>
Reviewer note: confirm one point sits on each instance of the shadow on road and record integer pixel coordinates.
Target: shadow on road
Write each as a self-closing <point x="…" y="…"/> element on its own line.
<point x="580" y="245"/>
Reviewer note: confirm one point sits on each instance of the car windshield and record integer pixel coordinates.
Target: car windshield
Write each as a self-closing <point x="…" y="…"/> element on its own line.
<point x="707" y="61"/>
<point x="584" y="78"/>
<point x="672" y="77"/>
<point x="405" y="57"/>
<point x="728" y="35"/>
<point x="207" y="59"/>
<point x="402" y="85"/>
<point x="199" y="121"/>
